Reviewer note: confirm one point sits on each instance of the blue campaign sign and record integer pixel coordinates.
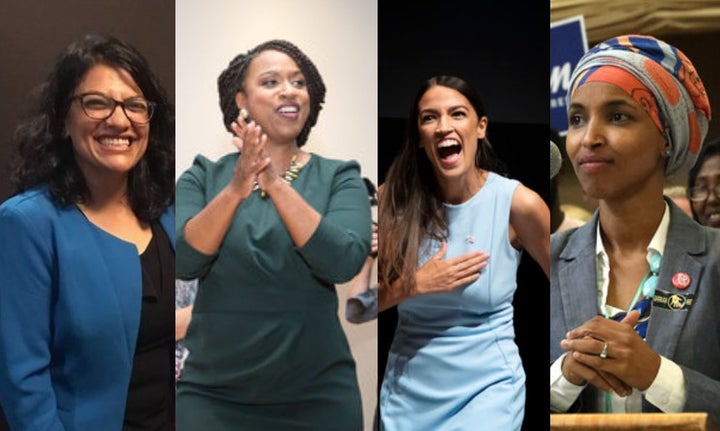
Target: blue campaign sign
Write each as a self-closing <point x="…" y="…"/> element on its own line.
<point x="568" y="43"/>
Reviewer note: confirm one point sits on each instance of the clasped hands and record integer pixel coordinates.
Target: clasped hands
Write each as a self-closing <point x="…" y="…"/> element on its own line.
<point x="254" y="164"/>
<point x="630" y="363"/>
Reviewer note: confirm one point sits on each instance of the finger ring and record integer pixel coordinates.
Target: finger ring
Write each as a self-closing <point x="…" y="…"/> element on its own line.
<point x="603" y="352"/>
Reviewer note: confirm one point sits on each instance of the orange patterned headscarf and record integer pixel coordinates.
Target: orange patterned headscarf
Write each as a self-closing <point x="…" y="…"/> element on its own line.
<point x="662" y="80"/>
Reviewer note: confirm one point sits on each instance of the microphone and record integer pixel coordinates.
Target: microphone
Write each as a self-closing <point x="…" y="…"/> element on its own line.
<point x="555" y="159"/>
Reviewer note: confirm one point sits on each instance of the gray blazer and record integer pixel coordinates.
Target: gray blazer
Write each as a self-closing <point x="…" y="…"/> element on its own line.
<point x="689" y="337"/>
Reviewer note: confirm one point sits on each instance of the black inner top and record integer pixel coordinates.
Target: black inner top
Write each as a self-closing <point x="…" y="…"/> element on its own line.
<point x="151" y="394"/>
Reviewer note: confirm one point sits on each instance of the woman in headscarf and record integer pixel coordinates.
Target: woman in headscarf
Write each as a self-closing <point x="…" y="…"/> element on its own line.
<point x="635" y="292"/>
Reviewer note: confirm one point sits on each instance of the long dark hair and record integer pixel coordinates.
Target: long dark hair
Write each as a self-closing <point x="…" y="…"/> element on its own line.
<point x="411" y="205"/>
<point x="44" y="155"/>
<point x="710" y="149"/>
<point x="231" y="80"/>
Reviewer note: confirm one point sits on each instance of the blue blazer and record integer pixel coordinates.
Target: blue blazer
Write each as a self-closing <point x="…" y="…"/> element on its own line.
<point x="70" y="298"/>
<point x="690" y="337"/>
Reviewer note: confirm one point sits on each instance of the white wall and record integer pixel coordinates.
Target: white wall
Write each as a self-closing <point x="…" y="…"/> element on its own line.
<point x="340" y="37"/>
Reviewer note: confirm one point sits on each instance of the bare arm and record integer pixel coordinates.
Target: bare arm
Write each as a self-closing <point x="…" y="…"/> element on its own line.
<point x="530" y="225"/>
<point x="182" y="321"/>
<point x="390" y="295"/>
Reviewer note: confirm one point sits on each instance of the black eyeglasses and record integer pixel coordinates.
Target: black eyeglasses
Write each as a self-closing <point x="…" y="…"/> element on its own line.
<point x="701" y="193"/>
<point x="100" y="107"/>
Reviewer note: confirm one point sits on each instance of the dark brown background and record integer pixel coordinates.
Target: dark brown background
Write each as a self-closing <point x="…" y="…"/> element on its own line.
<point x="33" y="32"/>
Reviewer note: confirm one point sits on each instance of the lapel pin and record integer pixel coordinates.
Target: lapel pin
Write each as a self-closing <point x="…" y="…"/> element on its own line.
<point x="470" y="239"/>
<point x="681" y="280"/>
<point x="676" y="302"/>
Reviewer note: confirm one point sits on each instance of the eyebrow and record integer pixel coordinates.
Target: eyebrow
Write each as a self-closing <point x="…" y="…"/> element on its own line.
<point x="277" y="72"/>
<point x="452" y="108"/>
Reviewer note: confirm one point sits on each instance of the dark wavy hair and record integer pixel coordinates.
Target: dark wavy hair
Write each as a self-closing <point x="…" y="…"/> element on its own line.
<point x="44" y="155"/>
<point x="230" y="82"/>
<point x="411" y="205"/>
<point x="710" y="149"/>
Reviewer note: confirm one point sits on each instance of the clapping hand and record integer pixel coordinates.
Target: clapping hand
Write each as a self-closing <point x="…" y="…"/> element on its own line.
<point x="250" y="141"/>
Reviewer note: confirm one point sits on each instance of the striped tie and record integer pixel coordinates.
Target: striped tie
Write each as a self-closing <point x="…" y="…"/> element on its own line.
<point x="644" y="304"/>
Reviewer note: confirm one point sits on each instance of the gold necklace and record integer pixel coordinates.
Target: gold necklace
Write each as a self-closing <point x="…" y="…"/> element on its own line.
<point x="289" y="176"/>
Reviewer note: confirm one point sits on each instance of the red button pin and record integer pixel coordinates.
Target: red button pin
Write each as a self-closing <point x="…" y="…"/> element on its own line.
<point x="681" y="280"/>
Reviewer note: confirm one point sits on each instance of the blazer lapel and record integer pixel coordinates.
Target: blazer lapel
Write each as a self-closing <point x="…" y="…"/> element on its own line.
<point x="112" y="275"/>
<point x="685" y="242"/>
<point x="577" y="276"/>
<point x="167" y="220"/>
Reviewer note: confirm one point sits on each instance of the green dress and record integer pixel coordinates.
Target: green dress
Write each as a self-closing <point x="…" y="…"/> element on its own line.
<point x="267" y="351"/>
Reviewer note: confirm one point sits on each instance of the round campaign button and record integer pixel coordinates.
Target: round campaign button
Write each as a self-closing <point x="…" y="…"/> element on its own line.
<point x="681" y="280"/>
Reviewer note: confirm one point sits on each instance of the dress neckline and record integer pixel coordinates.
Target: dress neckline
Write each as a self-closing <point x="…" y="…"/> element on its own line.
<point x="490" y="179"/>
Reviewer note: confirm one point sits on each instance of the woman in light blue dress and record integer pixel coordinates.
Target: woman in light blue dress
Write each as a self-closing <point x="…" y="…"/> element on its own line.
<point x="452" y="234"/>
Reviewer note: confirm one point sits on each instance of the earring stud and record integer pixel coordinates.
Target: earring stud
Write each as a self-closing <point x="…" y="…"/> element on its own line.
<point x="244" y="113"/>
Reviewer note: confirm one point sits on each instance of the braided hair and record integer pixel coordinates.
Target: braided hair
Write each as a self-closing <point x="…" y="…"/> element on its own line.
<point x="230" y="82"/>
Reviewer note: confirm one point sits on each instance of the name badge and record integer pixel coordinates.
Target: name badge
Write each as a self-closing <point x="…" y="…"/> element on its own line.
<point x="672" y="301"/>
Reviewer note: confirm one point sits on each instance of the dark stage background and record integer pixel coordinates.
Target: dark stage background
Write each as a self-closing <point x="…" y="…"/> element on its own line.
<point x="504" y="52"/>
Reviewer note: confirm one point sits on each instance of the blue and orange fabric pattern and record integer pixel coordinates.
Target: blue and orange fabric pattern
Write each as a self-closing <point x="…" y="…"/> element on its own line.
<point x="662" y="80"/>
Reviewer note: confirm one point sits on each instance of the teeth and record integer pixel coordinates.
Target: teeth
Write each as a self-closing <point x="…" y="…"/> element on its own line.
<point x="288" y="110"/>
<point x="115" y="142"/>
<point x="448" y="143"/>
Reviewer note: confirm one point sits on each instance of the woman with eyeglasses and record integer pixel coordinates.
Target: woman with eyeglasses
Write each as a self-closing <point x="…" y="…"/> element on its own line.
<point x="635" y="292"/>
<point x="87" y="251"/>
<point x="704" y="185"/>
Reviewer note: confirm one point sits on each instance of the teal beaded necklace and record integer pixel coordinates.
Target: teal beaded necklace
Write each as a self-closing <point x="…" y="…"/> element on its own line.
<point x="647" y="285"/>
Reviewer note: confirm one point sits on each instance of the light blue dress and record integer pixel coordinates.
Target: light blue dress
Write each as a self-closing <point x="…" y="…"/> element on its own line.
<point x="453" y="364"/>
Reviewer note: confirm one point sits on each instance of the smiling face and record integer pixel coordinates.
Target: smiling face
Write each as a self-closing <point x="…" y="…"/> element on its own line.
<point x="449" y="130"/>
<point x="708" y="211"/>
<point x="114" y="145"/>
<point x="276" y="96"/>
<point x="613" y="144"/>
